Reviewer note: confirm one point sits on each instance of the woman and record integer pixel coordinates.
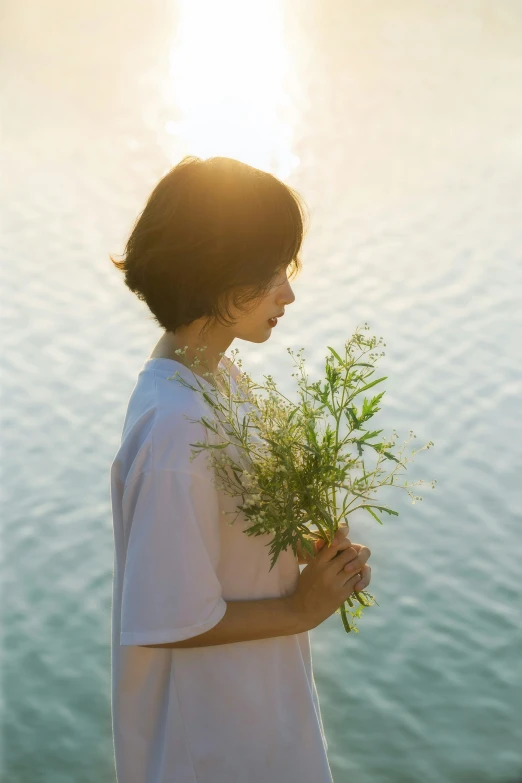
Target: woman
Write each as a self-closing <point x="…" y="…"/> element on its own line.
<point x="211" y="670"/>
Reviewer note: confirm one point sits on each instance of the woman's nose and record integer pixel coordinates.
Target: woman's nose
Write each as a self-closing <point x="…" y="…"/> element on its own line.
<point x="287" y="295"/>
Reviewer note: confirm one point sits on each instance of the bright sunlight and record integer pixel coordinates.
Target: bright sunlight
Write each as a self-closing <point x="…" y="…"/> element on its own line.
<point x="228" y="83"/>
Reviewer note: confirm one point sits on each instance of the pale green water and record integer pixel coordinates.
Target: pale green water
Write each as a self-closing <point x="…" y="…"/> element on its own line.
<point x="407" y="121"/>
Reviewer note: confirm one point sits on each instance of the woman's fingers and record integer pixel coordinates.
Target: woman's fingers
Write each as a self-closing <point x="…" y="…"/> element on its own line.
<point x="340" y="542"/>
<point x="366" y="575"/>
<point x="327" y="553"/>
<point x="352" y="560"/>
<point x="347" y="557"/>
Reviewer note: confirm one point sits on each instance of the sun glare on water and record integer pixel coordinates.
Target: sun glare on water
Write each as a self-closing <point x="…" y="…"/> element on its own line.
<point x="228" y="69"/>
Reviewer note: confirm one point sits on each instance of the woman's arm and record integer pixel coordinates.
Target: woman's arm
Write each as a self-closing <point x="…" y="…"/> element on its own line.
<point x="263" y="618"/>
<point x="246" y="620"/>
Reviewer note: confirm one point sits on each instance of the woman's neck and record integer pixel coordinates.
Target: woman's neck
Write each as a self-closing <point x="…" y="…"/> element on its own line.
<point x="167" y="346"/>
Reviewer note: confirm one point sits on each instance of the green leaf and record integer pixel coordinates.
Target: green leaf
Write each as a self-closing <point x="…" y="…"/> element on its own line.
<point x="234" y="471"/>
<point x="292" y="414"/>
<point x="335" y="354"/>
<point x="388" y="510"/>
<point x="305" y="446"/>
<point x="351" y="413"/>
<point x="376" y="446"/>
<point x="370" y="435"/>
<point x="377" y="398"/>
<point x="380" y="508"/>
<point x="369" y="385"/>
<point x="307" y="546"/>
<point x="368" y="509"/>
<point x="366" y="409"/>
<point x="208" y="425"/>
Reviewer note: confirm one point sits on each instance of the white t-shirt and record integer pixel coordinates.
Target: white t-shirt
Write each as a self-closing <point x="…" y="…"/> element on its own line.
<point x="245" y="712"/>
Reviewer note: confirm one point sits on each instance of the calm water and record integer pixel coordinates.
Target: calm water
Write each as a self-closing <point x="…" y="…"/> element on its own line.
<point x="402" y="129"/>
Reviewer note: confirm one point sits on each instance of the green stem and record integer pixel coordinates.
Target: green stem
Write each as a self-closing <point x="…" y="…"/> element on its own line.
<point x="321" y="528"/>
<point x="337" y="422"/>
<point x="360" y="598"/>
<point x="346" y="624"/>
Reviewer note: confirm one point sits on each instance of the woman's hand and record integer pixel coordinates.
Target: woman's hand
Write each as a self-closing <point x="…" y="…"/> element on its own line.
<point x="303" y="558"/>
<point x="333" y="574"/>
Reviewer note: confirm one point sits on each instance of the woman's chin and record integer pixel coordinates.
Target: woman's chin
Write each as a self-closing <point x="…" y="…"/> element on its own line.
<point x="260" y="336"/>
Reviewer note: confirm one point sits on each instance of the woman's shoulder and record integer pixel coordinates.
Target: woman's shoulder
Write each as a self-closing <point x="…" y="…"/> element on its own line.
<point x="175" y="423"/>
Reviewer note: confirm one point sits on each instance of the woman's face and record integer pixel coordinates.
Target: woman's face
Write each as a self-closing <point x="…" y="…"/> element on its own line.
<point x="254" y="325"/>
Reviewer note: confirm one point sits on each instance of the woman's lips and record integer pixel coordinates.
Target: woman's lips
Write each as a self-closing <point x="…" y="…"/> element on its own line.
<point x="272" y="321"/>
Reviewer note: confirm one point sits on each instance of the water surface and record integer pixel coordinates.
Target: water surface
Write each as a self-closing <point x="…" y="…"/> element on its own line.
<point x="406" y="143"/>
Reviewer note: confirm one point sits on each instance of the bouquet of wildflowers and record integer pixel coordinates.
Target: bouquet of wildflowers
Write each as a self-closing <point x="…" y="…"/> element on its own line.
<point x="298" y="468"/>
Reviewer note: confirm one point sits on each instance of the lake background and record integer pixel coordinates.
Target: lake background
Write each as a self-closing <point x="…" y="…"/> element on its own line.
<point x="400" y="123"/>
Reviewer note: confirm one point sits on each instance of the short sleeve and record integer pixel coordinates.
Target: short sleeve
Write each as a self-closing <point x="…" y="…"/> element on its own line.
<point x="170" y="590"/>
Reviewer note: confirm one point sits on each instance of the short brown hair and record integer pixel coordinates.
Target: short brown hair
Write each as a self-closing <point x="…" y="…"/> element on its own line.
<point x="212" y="231"/>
